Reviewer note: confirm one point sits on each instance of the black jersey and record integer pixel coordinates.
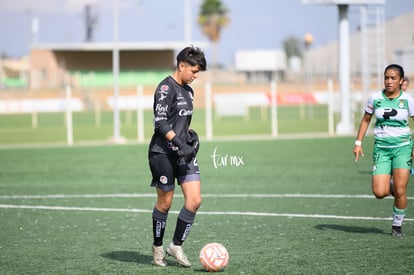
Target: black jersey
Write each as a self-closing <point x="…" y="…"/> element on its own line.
<point x="173" y="110"/>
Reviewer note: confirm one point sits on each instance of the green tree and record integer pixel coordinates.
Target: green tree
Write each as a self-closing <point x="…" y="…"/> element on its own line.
<point x="293" y="46"/>
<point x="212" y="18"/>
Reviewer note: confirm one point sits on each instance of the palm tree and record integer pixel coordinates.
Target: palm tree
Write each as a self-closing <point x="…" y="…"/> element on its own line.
<point x="292" y="47"/>
<point x="213" y="17"/>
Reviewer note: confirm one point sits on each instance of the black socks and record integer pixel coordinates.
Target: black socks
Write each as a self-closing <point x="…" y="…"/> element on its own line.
<point x="184" y="222"/>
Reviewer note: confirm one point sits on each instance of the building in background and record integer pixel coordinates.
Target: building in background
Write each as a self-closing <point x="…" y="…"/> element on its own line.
<point x="398" y="43"/>
<point x="14" y="73"/>
<point x="261" y="65"/>
<point x="89" y="64"/>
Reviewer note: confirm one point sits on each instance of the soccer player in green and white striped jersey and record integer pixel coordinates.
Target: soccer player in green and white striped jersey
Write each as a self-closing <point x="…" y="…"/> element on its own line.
<point x="393" y="146"/>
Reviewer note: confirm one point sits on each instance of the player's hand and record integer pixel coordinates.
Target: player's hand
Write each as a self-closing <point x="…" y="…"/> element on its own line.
<point x="193" y="140"/>
<point x="358" y="152"/>
<point x="186" y="150"/>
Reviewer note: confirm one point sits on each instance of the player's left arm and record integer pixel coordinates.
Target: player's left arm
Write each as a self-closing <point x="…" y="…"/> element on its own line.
<point x="411" y="114"/>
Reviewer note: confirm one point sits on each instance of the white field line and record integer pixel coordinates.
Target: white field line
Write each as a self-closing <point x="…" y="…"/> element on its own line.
<point x="215" y="140"/>
<point x="152" y="195"/>
<point x="235" y="213"/>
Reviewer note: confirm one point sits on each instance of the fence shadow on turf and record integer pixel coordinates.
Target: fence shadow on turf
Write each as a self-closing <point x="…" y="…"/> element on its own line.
<point x="350" y="229"/>
<point x="128" y="256"/>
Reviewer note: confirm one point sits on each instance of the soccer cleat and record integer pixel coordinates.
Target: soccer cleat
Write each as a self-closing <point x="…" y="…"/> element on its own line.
<point x="177" y="252"/>
<point x="158" y="256"/>
<point x="396" y="231"/>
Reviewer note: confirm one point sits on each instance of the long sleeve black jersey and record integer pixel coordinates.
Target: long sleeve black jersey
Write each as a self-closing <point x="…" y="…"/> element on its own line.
<point x="173" y="110"/>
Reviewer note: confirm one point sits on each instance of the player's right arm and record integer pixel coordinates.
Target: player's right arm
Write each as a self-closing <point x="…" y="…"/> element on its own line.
<point x="363" y="127"/>
<point x="163" y="99"/>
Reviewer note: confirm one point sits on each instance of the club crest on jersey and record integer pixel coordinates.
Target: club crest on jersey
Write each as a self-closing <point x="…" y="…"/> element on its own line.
<point x="164" y="88"/>
<point x="163" y="92"/>
<point x="401" y="104"/>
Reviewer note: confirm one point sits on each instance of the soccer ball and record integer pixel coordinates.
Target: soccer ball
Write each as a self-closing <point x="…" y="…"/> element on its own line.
<point x="214" y="257"/>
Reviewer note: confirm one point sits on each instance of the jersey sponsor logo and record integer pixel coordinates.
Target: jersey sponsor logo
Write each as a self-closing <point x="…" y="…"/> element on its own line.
<point x="184" y="112"/>
<point x="163" y="179"/>
<point x="161" y="110"/>
<point x="389" y="112"/>
<point x="163" y="95"/>
<point x="180" y="97"/>
<point x="156" y="119"/>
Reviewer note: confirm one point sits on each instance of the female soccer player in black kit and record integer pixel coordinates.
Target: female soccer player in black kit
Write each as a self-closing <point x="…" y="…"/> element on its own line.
<point x="172" y="153"/>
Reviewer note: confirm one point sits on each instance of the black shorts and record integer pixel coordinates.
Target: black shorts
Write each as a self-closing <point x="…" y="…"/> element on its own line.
<point x="166" y="168"/>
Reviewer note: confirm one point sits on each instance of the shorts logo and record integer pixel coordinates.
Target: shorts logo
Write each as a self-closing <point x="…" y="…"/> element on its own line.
<point x="163" y="179"/>
<point x="374" y="168"/>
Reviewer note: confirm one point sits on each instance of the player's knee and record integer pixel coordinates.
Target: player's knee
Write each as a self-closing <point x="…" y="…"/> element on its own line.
<point x="193" y="204"/>
<point x="163" y="206"/>
<point x="198" y="202"/>
<point x="380" y="194"/>
<point x="400" y="192"/>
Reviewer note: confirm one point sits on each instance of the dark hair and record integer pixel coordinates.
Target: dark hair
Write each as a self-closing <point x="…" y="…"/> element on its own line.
<point x="193" y="56"/>
<point x="395" y="67"/>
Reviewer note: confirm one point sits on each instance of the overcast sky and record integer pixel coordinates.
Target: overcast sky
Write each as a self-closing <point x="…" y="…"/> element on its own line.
<point x="259" y="24"/>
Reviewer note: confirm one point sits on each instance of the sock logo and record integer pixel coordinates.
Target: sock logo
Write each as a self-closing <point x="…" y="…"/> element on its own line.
<point x="186" y="231"/>
<point x="159" y="226"/>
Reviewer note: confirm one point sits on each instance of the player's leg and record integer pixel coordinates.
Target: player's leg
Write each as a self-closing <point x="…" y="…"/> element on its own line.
<point x="163" y="179"/>
<point x="401" y="173"/>
<point x="392" y="187"/>
<point x="401" y="176"/>
<point x="400" y="200"/>
<point x="160" y="214"/>
<point x="381" y="172"/>
<point x="381" y="185"/>
<point x="191" y="187"/>
<point x="190" y="184"/>
<point x="192" y="201"/>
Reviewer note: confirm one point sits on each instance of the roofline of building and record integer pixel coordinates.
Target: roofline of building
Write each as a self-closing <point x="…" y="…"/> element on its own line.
<point x="343" y="2"/>
<point x="122" y="46"/>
